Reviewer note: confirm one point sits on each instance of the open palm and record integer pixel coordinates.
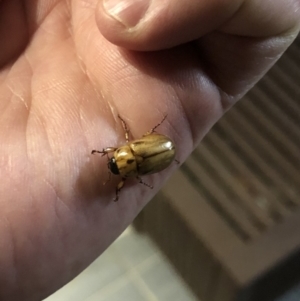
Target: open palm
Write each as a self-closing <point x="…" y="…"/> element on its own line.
<point x="62" y="86"/>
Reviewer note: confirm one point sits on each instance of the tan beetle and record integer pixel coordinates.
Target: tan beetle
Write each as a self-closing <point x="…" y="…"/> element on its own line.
<point x="147" y="155"/>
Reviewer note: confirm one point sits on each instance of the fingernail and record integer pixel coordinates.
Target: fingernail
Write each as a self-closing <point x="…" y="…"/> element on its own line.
<point x="128" y="12"/>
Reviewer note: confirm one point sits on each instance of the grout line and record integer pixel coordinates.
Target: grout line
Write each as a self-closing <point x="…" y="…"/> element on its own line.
<point x="111" y="287"/>
<point x="135" y="277"/>
<point x="132" y="273"/>
<point x="120" y="280"/>
<point x="142" y="286"/>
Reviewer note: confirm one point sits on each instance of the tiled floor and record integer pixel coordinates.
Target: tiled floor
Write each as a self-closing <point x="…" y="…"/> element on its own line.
<point x="131" y="269"/>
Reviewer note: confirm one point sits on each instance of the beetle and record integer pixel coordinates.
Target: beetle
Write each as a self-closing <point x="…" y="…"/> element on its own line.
<point x="150" y="154"/>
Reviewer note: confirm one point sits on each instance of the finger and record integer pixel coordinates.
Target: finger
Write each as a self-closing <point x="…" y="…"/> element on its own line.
<point x="157" y="24"/>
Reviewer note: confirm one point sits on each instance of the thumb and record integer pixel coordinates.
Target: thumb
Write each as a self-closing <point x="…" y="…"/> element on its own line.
<point x="158" y="24"/>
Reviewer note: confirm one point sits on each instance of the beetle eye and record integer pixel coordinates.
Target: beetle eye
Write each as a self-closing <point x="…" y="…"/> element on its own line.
<point x="112" y="165"/>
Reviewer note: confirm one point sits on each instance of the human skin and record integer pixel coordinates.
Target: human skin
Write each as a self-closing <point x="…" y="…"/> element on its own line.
<point x="68" y="68"/>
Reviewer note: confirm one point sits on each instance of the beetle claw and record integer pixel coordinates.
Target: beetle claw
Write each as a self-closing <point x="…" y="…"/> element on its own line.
<point x="109" y="177"/>
<point x="146" y="184"/>
<point x="153" y="129"/>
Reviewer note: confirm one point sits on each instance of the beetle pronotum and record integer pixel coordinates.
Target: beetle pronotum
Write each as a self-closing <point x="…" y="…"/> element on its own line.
<point x="147" y="155"/>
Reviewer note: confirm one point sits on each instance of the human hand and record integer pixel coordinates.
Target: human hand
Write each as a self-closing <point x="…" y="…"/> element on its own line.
<point x="62" y="86"/>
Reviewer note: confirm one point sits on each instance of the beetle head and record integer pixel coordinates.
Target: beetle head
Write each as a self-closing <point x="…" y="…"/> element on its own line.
<point x="112" y="165"/>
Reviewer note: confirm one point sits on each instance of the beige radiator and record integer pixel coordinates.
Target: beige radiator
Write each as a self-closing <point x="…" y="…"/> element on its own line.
<point x="229" y="219"/>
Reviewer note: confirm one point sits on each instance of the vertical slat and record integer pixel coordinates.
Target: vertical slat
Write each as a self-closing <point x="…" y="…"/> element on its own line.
<point x="249" y="153"/>
<point x="268" y="106"/>
<point x="278" y="141"/>
<point x="257" y="189"/>
<point x="240" y="219"/>
<point x="265" y="148"/>
<point x="240" y="198"/>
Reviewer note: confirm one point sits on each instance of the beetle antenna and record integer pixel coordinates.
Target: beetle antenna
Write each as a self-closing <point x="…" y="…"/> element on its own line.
<point x="124" y="125"/>
<point x="141" y="182"/>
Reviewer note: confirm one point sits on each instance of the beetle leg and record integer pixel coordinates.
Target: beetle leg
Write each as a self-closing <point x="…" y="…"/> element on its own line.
<point x="153" y="129"/>
<point x="96" y="151"/>
<point x="105" y="151"/>
<point x="109" y="177"/>
<point x="124" y="125"/>
<point x="118" y="189"/>
<point x="141" y="182"/>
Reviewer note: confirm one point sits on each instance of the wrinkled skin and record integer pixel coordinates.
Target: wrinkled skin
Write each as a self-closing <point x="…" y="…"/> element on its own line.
<point x="64" y="79"/>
